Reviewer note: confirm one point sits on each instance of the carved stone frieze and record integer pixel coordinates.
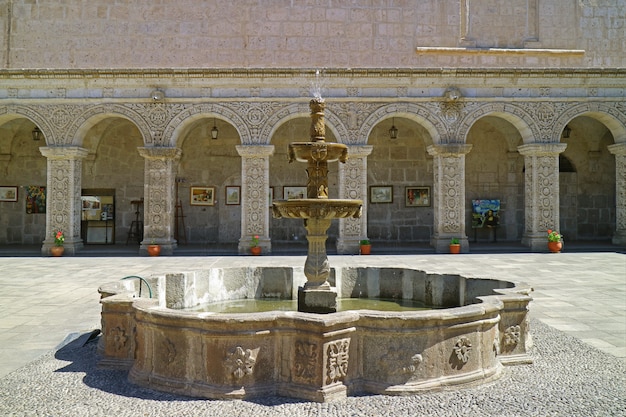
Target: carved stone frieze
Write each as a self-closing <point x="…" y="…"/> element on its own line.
<point x="337" y="358"/>
<point x="119" y="338"/>
<point x="512" y="336"/>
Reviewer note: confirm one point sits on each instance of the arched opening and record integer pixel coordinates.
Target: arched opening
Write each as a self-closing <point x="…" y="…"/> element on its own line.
<point x="400" y="183"/>
<point x="491" y="173"/>
<point x="23" y="193"/>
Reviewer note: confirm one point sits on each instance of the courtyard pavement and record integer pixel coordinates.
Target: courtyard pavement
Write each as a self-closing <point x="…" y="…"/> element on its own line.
<point x="45" y="302"/>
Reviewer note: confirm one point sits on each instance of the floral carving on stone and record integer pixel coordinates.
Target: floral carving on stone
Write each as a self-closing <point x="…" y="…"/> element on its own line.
<point x="119" y="337"/>
<point x="305" y="360"/>
<point x="337" y="360"/>
<point x="240" y="362"/>
<point x="462" y="349"/>
<point x="170" y="348"/>
<point x="512" y="336"/>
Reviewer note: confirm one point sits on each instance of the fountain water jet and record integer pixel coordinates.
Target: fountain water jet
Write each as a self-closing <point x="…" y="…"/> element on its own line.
<point x="317" y="210"/>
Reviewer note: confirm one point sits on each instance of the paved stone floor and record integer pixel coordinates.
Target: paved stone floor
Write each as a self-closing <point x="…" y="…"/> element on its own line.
<point x="45" y="302"/>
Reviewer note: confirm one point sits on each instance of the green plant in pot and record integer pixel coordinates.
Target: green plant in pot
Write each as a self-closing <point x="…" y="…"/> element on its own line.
<point x="365" y="246"/>
<point x="455" y="245"/>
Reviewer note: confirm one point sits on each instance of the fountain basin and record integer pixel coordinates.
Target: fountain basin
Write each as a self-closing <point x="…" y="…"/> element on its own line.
<point x="313" y="208"/>
<point x="479" y="325"/>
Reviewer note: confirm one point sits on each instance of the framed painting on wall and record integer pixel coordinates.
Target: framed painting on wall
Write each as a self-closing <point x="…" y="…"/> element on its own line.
<point x="8" y="193"/>
<point x="289" y="193"/>
<point x="381" y="194"/>
<point x="233" y="195"/>
<point x="417" y="196"/>
<point x="202" y="196"/>
<point x="35" y="199"/>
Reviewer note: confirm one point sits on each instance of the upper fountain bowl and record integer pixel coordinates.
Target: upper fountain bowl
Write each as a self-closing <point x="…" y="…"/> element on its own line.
<point x="317" y="152"/>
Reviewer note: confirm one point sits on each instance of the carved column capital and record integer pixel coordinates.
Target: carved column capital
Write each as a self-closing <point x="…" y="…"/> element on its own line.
<point x="63" y="152"/>
<point x="160" y="153"/>
<point x="617" y="149"/>
<point x="254" y="151"/>
<point x="542" y="149"/>
<point x="445" y="150"/>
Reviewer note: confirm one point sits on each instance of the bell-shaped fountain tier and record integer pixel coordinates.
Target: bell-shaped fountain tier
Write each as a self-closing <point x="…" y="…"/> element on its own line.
<point x="317" y="210"/>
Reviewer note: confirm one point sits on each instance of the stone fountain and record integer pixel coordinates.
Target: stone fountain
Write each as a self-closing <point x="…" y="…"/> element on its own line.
<point x="317" y="210"/>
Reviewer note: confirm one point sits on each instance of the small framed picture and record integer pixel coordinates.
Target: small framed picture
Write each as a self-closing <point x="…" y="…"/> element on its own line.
<point x="233" y="195"/>
<point x="8" y="193"/>
<point x="202" y="196"/>
<point x="417" y="196"/>
<point x="289" y="193"/>
<point x="381" y="194"/>
<point x="270" y="196"/>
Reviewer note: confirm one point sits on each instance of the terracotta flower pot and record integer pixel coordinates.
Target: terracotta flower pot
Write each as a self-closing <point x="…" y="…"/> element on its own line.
<point x="255" y="250"/>
<point x="366" y="249"/>
<point x="555" y="247"/>
<point x="455" y="248"/>
<point x="154" y="250"/>
<point x="57" y="250"/>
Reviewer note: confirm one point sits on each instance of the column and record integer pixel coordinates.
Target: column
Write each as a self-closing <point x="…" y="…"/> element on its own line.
<point x="255" y="204"/>
<point x="541" y="185"/>
<point x="449" y="195"/>
<point x="353" y="186"/>
<point x="619" y="150"/>
<point x="159" y="198"/>
<point x="63" y="205"/>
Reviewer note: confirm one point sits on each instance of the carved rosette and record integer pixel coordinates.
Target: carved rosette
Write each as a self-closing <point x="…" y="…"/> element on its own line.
<point x="512" y="336"/>
<point x="337" y="357"/>
<point x="305" y="361"/>
<point x="462" y="349"/>
<point x="240" y="362"/>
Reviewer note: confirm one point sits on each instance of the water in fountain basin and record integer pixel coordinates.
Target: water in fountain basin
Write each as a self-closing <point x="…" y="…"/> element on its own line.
<point x="274" y="304"/>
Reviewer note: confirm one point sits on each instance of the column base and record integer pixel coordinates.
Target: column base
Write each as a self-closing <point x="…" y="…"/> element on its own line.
<point x="71" y="247"/>
<point x="348" y="246"/>
<point x="317" y="301"/>
<point x="166" y="248"/>
<point x="619" y="239"/>
<point x="442" y="243"/>
<point x="536" y="243"/>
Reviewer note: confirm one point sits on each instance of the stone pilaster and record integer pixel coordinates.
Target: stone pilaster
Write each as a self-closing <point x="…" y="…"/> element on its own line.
<point x="541" y="188"/>
<point x="255" y="204"/>
<point x="353" y="185"/>
<point x="449" y="195"/>
<point x="159" y="197"/>
<point x="63" y="205"/>
<point x="619" y="150"/>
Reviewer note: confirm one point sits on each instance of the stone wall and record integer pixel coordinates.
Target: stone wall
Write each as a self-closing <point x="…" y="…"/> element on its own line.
<point x="412" y="33"/>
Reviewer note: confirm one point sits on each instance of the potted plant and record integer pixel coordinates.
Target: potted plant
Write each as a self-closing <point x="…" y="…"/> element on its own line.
<point x="255" y="249"/>
<point x="555" y="241"/>
<point x="365" y="246"/>
<point x="154" y="249"/>
<point x="455" y="245"/>
<point x="59" y="240"/>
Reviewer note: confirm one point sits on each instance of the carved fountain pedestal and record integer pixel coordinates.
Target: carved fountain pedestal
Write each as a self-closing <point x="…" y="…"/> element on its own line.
<point x="317" y="210"/>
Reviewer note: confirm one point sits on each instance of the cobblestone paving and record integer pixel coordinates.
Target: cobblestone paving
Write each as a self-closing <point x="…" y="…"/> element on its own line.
<point x="568" y="378"/>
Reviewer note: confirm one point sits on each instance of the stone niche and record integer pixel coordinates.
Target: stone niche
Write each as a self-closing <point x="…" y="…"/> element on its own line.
<point x="475" y="327"/>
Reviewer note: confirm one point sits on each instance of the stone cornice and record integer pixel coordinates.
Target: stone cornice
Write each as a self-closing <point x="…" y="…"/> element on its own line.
<point x="212" y="73"/>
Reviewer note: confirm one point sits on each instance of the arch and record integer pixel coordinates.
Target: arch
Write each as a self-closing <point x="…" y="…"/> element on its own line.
<point x="513" y="114"/>
<point x="415" y="112"/>
<point x="178" y="125"/>
<point x="612" y="117"/>
<point x="94" y="114"/>
<point x="7" y="114"/>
